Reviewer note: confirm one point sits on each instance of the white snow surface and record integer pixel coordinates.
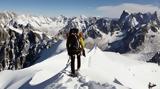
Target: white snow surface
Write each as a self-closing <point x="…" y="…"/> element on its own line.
<point x="99" y="70"/>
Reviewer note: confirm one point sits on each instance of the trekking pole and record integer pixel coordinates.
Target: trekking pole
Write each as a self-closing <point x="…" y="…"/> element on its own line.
<point x="68" y="62"/>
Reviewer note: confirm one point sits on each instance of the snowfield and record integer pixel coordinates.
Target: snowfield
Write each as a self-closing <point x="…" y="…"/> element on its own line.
<point x="99" y="70"/>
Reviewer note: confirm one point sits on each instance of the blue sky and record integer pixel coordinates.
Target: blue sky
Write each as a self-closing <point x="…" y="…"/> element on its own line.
<point x="75" y="7"/>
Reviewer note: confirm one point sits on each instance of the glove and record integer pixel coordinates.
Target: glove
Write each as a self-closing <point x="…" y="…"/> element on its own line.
<point x="83" y="53"/>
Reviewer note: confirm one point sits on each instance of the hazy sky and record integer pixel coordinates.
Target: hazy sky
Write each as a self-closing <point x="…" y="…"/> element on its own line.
<point x="108" y="8"/>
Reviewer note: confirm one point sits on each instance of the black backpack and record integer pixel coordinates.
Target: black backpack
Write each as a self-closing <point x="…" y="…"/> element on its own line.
<point x="74" y="42"/>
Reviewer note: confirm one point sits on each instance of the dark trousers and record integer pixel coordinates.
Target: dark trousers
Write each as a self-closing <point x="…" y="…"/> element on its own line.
<point x="73" y="63"/>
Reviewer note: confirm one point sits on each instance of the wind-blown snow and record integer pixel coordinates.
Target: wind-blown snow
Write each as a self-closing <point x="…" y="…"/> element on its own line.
<point x="100" y="70"/>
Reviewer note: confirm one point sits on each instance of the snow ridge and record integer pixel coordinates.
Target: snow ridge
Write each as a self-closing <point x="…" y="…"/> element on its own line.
<point x="112" y="71"/>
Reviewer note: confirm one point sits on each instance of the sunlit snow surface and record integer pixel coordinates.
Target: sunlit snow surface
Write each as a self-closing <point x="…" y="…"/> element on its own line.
<point x="99" y="70"/>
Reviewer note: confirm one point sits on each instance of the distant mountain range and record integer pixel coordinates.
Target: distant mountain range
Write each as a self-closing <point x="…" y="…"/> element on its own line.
<point x="23" y="37"/>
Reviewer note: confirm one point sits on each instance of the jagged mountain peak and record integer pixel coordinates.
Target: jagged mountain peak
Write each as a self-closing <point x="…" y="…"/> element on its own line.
<point x="139" y="16"/>
<point x="61" y="17"/>
<point x="83" y="17"/>
<point x="124" y="14"/>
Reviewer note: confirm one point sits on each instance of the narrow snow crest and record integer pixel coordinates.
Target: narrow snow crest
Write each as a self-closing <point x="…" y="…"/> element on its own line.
<point x="99" y="70"/>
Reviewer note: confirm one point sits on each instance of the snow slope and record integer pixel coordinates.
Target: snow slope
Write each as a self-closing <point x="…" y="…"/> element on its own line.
<point x="100" y="70"/>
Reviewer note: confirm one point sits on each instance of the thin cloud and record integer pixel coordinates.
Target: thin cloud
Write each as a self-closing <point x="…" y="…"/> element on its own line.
<point x="116" y="11"/>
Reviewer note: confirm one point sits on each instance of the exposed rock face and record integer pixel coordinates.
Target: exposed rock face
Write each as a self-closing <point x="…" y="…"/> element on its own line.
<point x="20" y="45"/>
<point x="21" y="50"/>
<point x="155" y="58"/>
<point x="134" y="28"/>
